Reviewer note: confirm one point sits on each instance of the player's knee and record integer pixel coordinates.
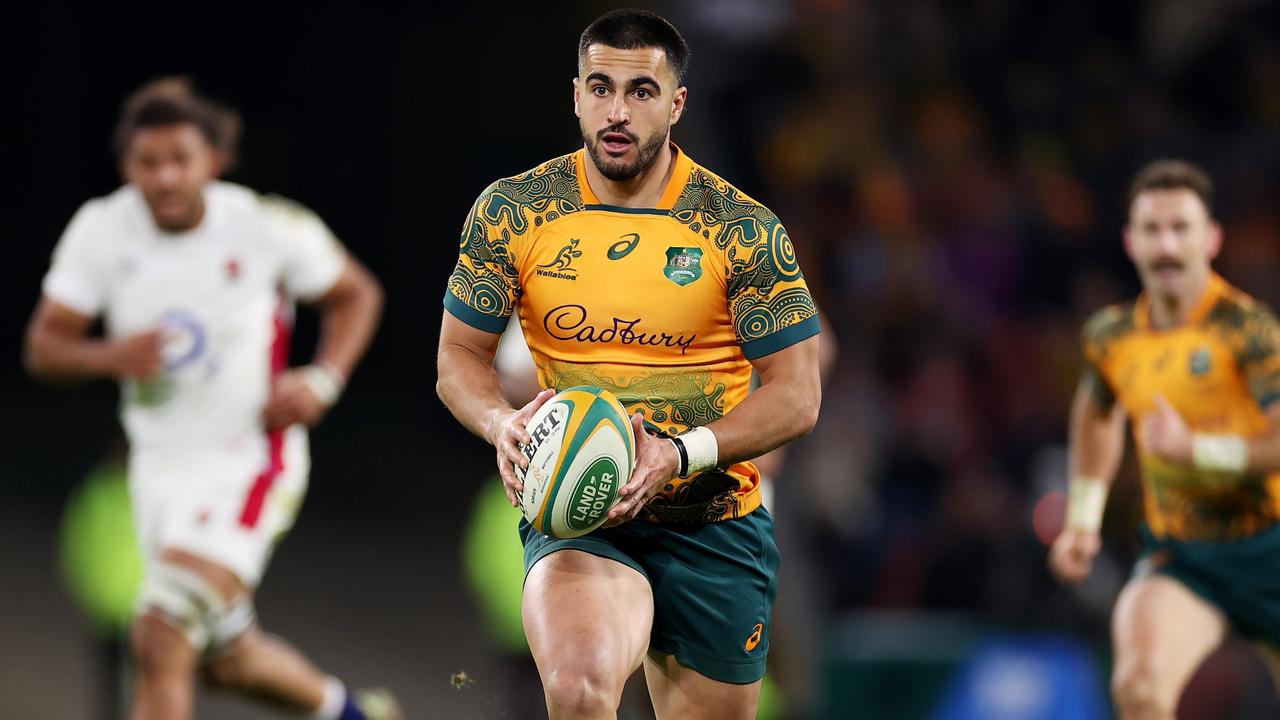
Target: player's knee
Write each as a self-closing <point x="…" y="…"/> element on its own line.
<point x="156" y="649"/>
<point x="580" y="692"/>
<point x="192" y="607"/>
<point x="1138" y="694"/>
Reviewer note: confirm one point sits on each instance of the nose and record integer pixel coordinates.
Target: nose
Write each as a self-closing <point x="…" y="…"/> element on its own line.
<point x="619" y="112"/>
<point x="1168" y="241"/>
<point x="169" y="174"/>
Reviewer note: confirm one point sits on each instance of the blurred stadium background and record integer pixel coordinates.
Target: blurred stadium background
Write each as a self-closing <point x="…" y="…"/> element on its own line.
<point x="952" y="174"/>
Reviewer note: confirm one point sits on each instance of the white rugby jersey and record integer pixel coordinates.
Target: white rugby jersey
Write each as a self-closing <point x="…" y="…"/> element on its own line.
<point x="221" y="293"/>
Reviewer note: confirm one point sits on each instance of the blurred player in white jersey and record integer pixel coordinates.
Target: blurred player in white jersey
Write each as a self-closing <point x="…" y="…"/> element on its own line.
<point x="195" y="279"/>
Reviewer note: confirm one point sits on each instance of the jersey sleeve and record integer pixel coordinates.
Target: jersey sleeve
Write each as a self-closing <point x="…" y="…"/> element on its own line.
<point x="769" y="302"/>
<point x="1095" y="338"/>
<point x="313" y="259"/>
<point x="76" y="277"/>
<point x="1258" y="354"/>
<point x="485" y="286"/>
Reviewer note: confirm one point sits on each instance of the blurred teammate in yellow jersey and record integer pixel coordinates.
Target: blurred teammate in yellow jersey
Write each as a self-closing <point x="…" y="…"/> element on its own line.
<point x="1195" y="365"/>
<point x="633" y="268"/>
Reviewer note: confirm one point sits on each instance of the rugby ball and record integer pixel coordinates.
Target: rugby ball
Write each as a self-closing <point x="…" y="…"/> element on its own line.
<point x="581" y="453"/>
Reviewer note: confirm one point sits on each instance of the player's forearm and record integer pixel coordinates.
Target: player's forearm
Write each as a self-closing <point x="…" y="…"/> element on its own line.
<point x="348" y="323"/>
<point x="1264" y="451"/>
<point x="1254" y="455"/>
<point x="775" y="414"/>
<point x="469" y="387"/>
<point x="1237" y="454"/>
<point x="1095" y="448"/>
<point x="52" y="355"/>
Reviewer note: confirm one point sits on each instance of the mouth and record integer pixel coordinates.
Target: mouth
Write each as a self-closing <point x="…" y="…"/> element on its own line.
<point x="169" y="201"/>
<point x="616" y="143"/>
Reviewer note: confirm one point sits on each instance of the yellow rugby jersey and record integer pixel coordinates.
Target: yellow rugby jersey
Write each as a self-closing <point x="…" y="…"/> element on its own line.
<point x="665" y="307"/>
<point x="1219" y="370"/>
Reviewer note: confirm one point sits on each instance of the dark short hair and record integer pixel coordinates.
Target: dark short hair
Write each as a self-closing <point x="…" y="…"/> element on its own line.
<point x="629" y="29"/>
<point x="173" y="101"/>
<point x="1173" y="175"/>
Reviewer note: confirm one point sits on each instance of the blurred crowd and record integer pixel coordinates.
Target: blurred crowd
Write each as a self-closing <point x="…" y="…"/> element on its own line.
<point x="954" y="178"/>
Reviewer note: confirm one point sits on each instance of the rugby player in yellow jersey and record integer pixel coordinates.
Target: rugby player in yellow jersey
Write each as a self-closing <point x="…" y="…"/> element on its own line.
<point x="635" y="269"/>
<point x="1195" y="365"/>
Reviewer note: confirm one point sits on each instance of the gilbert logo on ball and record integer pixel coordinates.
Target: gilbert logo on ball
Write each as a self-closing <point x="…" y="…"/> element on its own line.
<point x="581" y="453"/>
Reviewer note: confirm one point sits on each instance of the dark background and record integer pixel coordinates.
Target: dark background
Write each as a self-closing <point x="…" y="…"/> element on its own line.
<point x="952" y="174"/>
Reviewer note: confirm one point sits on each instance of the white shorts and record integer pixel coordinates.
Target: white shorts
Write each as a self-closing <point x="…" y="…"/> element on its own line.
<point x="228" y="504"/>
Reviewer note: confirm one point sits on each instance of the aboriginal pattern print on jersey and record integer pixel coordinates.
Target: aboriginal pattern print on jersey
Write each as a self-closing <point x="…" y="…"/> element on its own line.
<point x="673" y="400"/>
<point x="757" y="249"/>
<point x="1106" y="325"/>
<point x="1252" y="332"/>
<point x="485" y="277"/>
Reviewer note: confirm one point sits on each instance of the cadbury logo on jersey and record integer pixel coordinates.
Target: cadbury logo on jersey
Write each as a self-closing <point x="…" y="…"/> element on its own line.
<point x="569" y="322"/>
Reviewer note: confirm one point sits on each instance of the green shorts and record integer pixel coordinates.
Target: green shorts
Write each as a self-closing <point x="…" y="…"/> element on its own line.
<point x="713" y="586"/>
<point x="1240" y="577"/>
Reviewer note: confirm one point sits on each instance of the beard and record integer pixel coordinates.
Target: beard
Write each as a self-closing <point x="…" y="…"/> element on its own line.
<point x="619" y="170"/>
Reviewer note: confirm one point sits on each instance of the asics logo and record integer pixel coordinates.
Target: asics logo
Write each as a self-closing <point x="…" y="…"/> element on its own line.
<point x="754" y="639"/>
<point x="623" y="247"/>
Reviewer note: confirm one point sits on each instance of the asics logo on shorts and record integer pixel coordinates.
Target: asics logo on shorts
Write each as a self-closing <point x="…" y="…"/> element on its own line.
<point x="754" y="639"/>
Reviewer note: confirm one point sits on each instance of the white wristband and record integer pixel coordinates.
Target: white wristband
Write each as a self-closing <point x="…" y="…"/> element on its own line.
<point x="324" y="381"/>
<point x="703" y="450"/>
<point x="1220" y="453"/>
<point x="1086" y="500"/>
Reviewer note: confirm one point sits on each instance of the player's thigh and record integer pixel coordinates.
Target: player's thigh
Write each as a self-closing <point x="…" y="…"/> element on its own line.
<point x="586" y="615"/>
<point x="681" y="693"/>
<point x="1161" y="632"/>
<point x="227" y="505"/>
<point x="219" y="577"/>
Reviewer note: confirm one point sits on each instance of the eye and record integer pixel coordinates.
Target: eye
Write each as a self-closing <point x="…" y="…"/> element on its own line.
<point x="643" y="93"/>
<point x="600" y="91"/>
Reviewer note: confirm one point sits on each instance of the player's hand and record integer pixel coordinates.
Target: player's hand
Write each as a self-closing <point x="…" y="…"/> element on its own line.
<point x="657" y="461"/>
<point x="292" y="401"/>
<point x="1071" y="555"/>
<point x="507" y="436"/>
<point x="1163" y="432"/>
<point x="136" y="357"/>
